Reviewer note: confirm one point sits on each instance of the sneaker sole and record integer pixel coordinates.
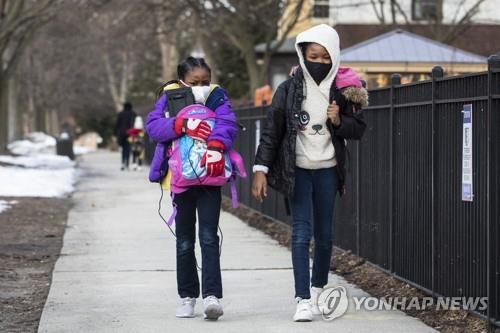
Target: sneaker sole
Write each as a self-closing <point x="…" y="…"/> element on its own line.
<point x="185" y="316"/>
<point x="213" y="313"/>
<point x="302" y="320"/>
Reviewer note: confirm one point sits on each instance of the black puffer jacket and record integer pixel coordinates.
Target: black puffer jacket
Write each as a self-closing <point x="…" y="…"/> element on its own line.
<point x="124" y="122"/>
<point x="277" y="143"/>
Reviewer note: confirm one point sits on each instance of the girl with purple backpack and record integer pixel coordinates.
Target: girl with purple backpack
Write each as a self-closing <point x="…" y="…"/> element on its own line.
<point x="164" y="128"/>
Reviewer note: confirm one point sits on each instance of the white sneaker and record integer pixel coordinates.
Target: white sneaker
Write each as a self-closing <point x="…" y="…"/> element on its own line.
<point x="303" y="311"/>
<point x="186" y="309"/>
<point x="213" y="308"/>
<point x="315" y="292"/>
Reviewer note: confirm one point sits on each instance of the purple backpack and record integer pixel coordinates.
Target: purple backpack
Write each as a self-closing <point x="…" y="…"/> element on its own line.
<point x="186" y="153"/>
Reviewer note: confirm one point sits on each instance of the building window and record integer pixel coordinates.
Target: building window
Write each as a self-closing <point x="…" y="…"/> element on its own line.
<point x="321" y="9"/>
<point x="424" y="10"/>
<point x="382" y="80"/>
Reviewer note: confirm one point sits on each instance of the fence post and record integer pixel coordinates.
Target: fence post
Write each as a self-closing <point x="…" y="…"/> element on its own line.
<point x="437" y="73"/>
<point x="493" y="66"/>
<point x="357" y="199"/>
<point x="395" y="80"/>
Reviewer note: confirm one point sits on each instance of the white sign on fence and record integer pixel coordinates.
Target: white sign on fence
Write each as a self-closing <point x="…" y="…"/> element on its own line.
<point x="467" y="189"/>
<point x="257" y="134"/>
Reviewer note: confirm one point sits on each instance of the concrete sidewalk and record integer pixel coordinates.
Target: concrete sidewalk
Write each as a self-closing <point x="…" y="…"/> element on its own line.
<point x="116" y="272"/>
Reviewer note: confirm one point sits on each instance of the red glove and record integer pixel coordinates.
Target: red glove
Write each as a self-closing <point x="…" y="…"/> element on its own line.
<point x="195" y="128"/>
<point x="214" y="158"/>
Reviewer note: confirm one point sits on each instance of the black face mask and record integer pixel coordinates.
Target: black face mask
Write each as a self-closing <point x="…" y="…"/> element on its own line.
<point x="317" y="70"/>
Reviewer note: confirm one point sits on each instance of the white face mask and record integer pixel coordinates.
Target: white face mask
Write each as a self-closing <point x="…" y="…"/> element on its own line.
<point x="200" y="92"/>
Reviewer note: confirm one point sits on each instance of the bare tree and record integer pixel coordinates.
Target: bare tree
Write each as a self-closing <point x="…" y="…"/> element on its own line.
<point x="77" y="70"/>
<point x="244" y="24"/>
<point x="60" y="73"/>
<point x="121" y="33"/>
<point x="441" y="31"/>
<point x="19" y="20"/>
<point x="459" y="23"/>
<point x="168" y="14"/>
<point x="378" y="9"/>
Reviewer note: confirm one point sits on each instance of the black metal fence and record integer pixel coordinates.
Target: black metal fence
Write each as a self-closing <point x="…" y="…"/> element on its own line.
<point x="403" y="210"/>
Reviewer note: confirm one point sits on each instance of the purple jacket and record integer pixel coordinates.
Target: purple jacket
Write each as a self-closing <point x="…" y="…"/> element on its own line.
<point x="160" y="129"/>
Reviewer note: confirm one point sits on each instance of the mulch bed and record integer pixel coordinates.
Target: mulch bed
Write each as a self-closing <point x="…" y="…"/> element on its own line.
<point x="374" y="281"/>
<point x="31" y="234"/>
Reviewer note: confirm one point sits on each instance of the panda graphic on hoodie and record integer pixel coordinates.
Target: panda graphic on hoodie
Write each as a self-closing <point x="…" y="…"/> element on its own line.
<point x="314" y="148"/>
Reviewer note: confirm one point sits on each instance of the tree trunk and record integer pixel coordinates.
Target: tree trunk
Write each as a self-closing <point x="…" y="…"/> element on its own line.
<point x="210" y="58"/>
<point x="169" y="57"/>
<point x="255" y="71"/>
<point x="52" y="123"/>
<point x="111" y="82"/>
<point x="127" y="77"/>
<point x="393" y="12"/>
<point x="29" y="117"/>
<point x="118" y="89"/>
<point x="12" y="110"/>
<point x="3" y="115"/>
<point x="167" y="43"/>
<point x="40" y="120"/>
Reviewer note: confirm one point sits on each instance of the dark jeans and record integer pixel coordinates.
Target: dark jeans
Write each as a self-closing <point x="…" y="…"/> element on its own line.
<point x="137" y="158"/>
<point x="125" y="152"/>
<point x="315" y="192"/>
<point x="207" y="200"/>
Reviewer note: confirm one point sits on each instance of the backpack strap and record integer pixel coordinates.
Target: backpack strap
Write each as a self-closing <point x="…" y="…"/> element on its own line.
<point x="172" y="84"/>
<point x="171" y="219"/>
<point x="234" y="192"/>
<point x="215" y="98"/>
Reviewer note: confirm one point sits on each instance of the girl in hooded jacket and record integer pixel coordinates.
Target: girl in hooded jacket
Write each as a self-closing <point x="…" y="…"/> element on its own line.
<point x="302" y="154"/>
<point x="163" y="128"/>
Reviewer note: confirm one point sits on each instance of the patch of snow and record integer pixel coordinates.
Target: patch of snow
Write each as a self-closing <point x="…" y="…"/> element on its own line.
<point x="37" y="172"/>
<point x="82" y="150"/>
<point x="36" y="142"/>
<point x="44" y="161"/>
<point x="4" y="205"/>
<point x="23" y="182"/>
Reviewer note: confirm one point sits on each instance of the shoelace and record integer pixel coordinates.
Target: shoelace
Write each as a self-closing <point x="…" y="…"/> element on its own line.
<point x="304" y="302"/>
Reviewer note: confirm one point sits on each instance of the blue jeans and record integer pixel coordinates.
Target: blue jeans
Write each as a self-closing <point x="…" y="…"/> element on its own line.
<point x="207" y="200"/>
<point x="315" y="192"/>
<point x="125" y="153"/>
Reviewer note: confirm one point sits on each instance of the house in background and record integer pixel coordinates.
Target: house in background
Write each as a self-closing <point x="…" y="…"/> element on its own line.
<point x="334" y="12"/>
<point x="376" y="59"/>
<point x="312" y="13"/>
<point x="359" y="23"/>
<point x="411" y="55"/>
